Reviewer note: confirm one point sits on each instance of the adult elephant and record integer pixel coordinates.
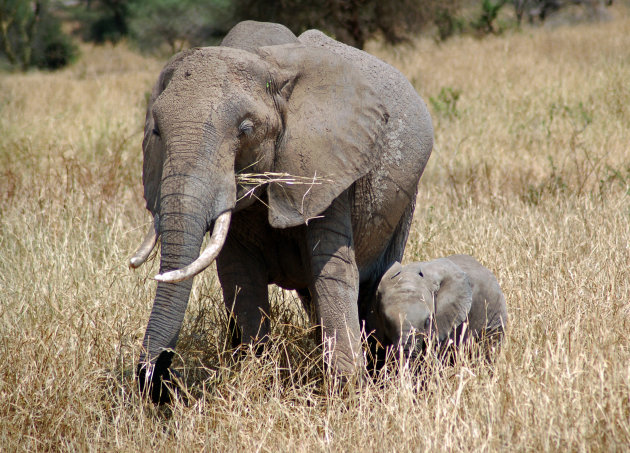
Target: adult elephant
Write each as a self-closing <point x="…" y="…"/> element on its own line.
<point x="349" y="124"/>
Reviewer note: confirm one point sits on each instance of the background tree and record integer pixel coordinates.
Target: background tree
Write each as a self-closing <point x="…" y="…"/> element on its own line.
<point x="30" y="31"/>
<point x="351" y="21"/>
<point x="178" y="23"/>
<point x="542" y="9"/>
<point x="489" y="12"/>
<point x="103" y="20"/>
<point x="31" y="35"/>
<point x="154" y="25"/>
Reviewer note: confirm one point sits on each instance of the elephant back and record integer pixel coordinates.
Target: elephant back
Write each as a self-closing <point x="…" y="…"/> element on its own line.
<point x="249" y="35"/>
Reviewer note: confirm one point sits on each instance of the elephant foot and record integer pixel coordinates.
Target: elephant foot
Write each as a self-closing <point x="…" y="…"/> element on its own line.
<point x="234" y="333"/>
<point x="345" y="370"/>
<point x="240" y="343"/>
<point x="158" y="381"/>
<point x="259" y="348"/>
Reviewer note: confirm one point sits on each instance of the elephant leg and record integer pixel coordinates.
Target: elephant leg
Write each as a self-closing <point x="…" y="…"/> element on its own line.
<point x="335" y="288"/>
<point x="307" y="303"/>
<point x="244" y="279"/>
<point x="370" y="279"/>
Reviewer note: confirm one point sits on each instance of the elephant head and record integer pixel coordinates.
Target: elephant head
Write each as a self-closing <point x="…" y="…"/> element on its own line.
<point x="217" y="111"/>
<point x="427" y="300"/>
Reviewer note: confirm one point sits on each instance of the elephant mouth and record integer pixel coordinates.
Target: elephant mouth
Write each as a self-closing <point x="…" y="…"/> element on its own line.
<point x="219" y="235"/>
<point x="419" y="345"/>
<point x="416" y="346"/>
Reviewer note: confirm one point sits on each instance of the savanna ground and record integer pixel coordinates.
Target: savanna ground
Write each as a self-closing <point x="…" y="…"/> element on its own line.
<point x="530" y="173"/>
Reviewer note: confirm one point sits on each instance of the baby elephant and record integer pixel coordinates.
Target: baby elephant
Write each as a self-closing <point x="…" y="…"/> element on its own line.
<point x="452" y="298"/>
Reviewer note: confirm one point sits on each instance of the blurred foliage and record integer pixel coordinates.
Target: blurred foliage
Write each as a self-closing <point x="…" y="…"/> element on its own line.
<point x="485" y="23"/>
<point x="31" y="35"/>
<point x="178" y="23"/>
<point x="355" y="21"/>
<point x="445" y="103"/>
<point x="539" y="10"/>
<point x="447" y="22"/>
<point x="486" y="20"/>
<point x="103" y="20"/>
<point x="31" y="32"/>
<point x="155" y="25"/>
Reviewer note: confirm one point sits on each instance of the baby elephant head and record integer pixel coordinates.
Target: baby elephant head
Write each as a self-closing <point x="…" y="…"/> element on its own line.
<point x="422" y="300"/>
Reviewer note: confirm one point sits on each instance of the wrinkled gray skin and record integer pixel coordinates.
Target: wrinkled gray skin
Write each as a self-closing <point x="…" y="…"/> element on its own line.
<point x="314" y="109"/>
<point x="436" y="299"/>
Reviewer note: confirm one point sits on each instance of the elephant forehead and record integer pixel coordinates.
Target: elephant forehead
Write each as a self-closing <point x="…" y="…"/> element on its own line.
<point x="406" y="287"/>
<point x="407" y="310"/>
<point x="225" y="53"/>
<point x="211" y="87"/>
<point x="225" y="69"/>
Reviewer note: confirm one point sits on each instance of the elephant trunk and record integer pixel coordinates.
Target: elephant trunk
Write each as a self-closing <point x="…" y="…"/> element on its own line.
<point x="219" y="235"/>
<point x="197" y="189"/>
<point x="415" y="342"/>
<point x="189" y="204"/>
<point x="416" y="350"/>
<point x="409" y="343"/>
<point x="167" y="314"/>
<point x="181" y="235"/>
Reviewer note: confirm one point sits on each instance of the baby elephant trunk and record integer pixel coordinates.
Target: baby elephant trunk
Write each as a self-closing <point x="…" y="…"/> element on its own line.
<point x="413" y="344"/>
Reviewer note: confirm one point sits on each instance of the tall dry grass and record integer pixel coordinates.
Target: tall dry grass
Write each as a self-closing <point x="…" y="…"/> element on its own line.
<point x="531" y="174"/>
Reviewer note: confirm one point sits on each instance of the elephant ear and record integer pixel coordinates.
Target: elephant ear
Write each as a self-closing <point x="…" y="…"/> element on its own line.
<point x="332" y="122"/>
<point x="387" y="280"/>
<point x="392" y="272"/>
<point x="152" y="146"/>
<point x="453" y="294"/>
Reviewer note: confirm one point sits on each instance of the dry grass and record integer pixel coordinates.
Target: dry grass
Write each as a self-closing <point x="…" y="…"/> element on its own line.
<point x="531" y="174"/>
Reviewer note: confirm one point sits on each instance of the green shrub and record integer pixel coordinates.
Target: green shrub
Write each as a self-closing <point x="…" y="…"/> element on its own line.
<point x="52" y="49"/>
<point x="31" y="35"/>
<point x="357" y="21"/>
<point x="102" y="20"/>
<point x="446" y="102"/>
<point x="446" y="21"/>
<point x="176" y="24"/>
<point x="485" y="23"/>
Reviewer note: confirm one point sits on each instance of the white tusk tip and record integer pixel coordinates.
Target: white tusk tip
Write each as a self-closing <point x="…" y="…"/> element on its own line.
<point x="171" y="277"/>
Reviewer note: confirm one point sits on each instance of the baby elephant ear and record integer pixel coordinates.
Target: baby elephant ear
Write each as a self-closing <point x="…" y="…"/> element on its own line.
<point x="332" y="121"/>
<point x="453" y="297"/>
<point x="388" y="279"/>
<point x="393" y="271"/>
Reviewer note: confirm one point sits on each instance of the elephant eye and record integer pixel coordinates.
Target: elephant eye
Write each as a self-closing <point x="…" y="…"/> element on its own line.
<point x="427" y="323"/>
<point x="246" y="127"/>
<point x="156" y="132"/>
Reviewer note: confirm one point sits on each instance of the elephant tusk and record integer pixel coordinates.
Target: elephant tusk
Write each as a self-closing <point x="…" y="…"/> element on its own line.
<point x="219" y="235"/>
<point x="145" y="249"/>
